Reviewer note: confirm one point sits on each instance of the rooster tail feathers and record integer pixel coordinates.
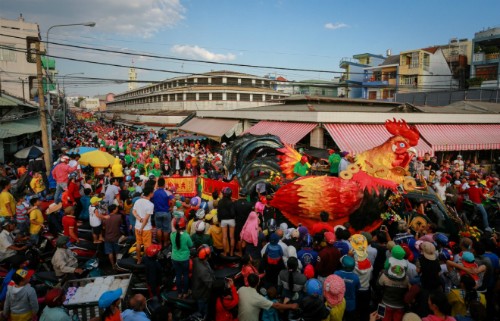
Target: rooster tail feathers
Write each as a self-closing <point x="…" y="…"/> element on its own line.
<point x="288" y="160"/>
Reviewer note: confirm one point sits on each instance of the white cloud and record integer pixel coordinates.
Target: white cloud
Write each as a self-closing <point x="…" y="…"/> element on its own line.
<point x="335" y="25"/>
<point x="134" y="18"/>
<point x="201" y="53"/>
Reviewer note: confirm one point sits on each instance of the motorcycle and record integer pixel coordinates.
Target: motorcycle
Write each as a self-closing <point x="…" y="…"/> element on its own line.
<point x="50" y="279"/>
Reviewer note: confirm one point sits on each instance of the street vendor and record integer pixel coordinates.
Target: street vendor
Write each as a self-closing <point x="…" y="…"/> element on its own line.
<point x="64" y="261"/>
<point x="302" y="167"/>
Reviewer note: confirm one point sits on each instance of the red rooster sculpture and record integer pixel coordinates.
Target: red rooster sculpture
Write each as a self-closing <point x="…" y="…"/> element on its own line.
<point x="378" y="169"/>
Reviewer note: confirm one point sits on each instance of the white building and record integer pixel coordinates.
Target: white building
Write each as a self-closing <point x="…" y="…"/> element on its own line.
<point x="91" y="104"/>
<point x="17" y="74"/>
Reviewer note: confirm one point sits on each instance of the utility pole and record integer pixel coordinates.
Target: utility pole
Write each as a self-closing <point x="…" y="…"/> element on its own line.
<point x="43" y="112"/>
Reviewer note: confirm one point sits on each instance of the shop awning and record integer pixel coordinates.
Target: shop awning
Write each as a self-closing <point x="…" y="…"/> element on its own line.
<point x="212" y="128"/>
<point x="290" y="133"/>
<point x="356" y="138"/>
<point x="19" y="127"/>
<point x="458" y="137"/>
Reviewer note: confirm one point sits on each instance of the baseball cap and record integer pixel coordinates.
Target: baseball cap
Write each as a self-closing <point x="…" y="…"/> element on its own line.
<point x="95" y="199"/>
<point x="398" y="252"/>
<point x="468" y="257"/>
<point x="108" y="297"/>
<point x="329" y="237"/>
<point x="347" y="262"/>
<point x="25" y="274"/>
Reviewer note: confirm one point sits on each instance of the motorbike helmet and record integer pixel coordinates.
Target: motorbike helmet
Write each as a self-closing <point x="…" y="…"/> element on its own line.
<point x="200" y="214"/>
<point x="204" y="252"/>
<point x="200" y="226"/>
<point x="153" y="249"/>
<point x="128" y="178"/>
<point x="180" y="223"/>
<point x="204" y="205"/>
<point x="72" y="175"/>
<point x="195" y="201"/>
<point x="445" y="255"/>
<point x="441" y="239"/>
<point x="227" y="192"/>
<point x="272" y="225"/>
<point x="314" y="287"/>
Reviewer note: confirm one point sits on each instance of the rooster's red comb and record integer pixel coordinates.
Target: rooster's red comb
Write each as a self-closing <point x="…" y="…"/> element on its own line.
<point x="401" y="128"/>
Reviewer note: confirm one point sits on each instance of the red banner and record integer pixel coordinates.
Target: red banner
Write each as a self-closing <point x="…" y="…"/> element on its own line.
<point x="210" y="185"/>
<point x="185" y="186"/>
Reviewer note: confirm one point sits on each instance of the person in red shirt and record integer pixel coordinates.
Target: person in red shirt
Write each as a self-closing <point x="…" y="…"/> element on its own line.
<point x="476" y="196"/>
<point x="70" y="225"/>
<point x="322" y="226"/>
<point x="226" y="301"/>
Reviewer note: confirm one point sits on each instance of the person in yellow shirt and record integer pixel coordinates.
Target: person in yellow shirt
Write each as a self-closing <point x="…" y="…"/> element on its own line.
<point x="36" y="220"/>
<point x="37" y="184"/>
<point x="461" y="299"/>
<point x="215" y="231"/>
<point x="7" y="201"/>
<point x="117" y="168"/>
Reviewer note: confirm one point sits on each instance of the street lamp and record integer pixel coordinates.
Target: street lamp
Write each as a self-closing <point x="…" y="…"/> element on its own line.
<point x="65" y="104"/>
<point x="49" y="109"/>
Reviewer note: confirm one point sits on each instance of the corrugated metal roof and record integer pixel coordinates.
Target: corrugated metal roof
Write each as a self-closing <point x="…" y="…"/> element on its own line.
<point x="19" y="127"/>
<point x="11" y="101"/>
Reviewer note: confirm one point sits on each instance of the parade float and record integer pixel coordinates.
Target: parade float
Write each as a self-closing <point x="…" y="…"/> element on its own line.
<point x="375" y="188"/>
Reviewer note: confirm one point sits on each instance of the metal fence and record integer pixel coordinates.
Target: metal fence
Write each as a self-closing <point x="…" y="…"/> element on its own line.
<point x="444" y="98"/>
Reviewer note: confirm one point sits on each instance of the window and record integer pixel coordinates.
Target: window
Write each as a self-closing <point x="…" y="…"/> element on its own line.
<point x="203" y="96"/>
<point x="178" y="97"/>
<point x="190" y="96"/>
<point x="426" y="61"/>
<point x="232" y="81"/>
<point x="414" y="60"/>
<point x="216" y="96"/>
<point x="246" y="82"/>
<point x="6" y="54"/>
<point x="190" y="81"/>
<point x="202" y="81"/>
<point x="244" y="97"/>
<point x="217" y="81"/>
<point x="231" y="96"/>
<point x="257" y="97"/>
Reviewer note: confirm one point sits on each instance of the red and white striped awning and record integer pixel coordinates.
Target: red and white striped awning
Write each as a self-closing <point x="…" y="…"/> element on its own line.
<point x="457" y="137"/>
<point x="356" y="138"/>
<point x="290" y="133"/>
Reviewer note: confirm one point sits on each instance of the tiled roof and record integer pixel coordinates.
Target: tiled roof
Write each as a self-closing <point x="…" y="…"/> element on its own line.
<point x="432" y="50"/>
<point x="391" y="60"/>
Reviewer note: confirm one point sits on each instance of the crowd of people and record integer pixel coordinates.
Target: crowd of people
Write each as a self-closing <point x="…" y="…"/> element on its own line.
<point x="287" y="272"/>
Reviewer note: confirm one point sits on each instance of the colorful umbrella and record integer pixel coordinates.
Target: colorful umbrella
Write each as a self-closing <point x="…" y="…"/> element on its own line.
<point x="97" y="158"/>
<point x="29" y="152"/>
<point x="81" y="150"/>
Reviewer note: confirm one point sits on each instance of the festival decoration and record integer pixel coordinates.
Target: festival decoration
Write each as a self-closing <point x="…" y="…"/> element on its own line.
<point x="471" y="232"/>
<point x="354" y="196"/>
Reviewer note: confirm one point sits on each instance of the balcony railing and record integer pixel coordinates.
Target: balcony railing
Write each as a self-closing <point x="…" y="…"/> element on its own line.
<point x="481" y="57"/>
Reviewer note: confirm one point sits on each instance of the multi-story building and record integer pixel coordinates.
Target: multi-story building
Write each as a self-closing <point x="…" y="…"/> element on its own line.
<point x="458" y="55"/>
<point x="381" y="82"/>
<point x="425" y="70"/>
<point x="17" y="75"/>
<point x="218" y="90"/>
<point x="485" y="65"/>
<point x="352" y="79"/>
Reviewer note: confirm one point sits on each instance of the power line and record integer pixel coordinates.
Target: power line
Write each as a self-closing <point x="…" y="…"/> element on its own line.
<point x="186" y="60"/>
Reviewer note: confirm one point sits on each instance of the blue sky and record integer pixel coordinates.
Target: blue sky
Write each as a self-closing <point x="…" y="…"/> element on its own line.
<point x="282" y="33"/>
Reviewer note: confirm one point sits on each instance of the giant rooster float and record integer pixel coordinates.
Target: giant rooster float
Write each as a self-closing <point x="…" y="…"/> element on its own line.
<point x="356" y="196"/>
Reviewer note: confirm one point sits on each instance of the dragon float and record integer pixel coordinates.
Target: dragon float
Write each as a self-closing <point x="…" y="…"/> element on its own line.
<point x="356" y="196"/>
